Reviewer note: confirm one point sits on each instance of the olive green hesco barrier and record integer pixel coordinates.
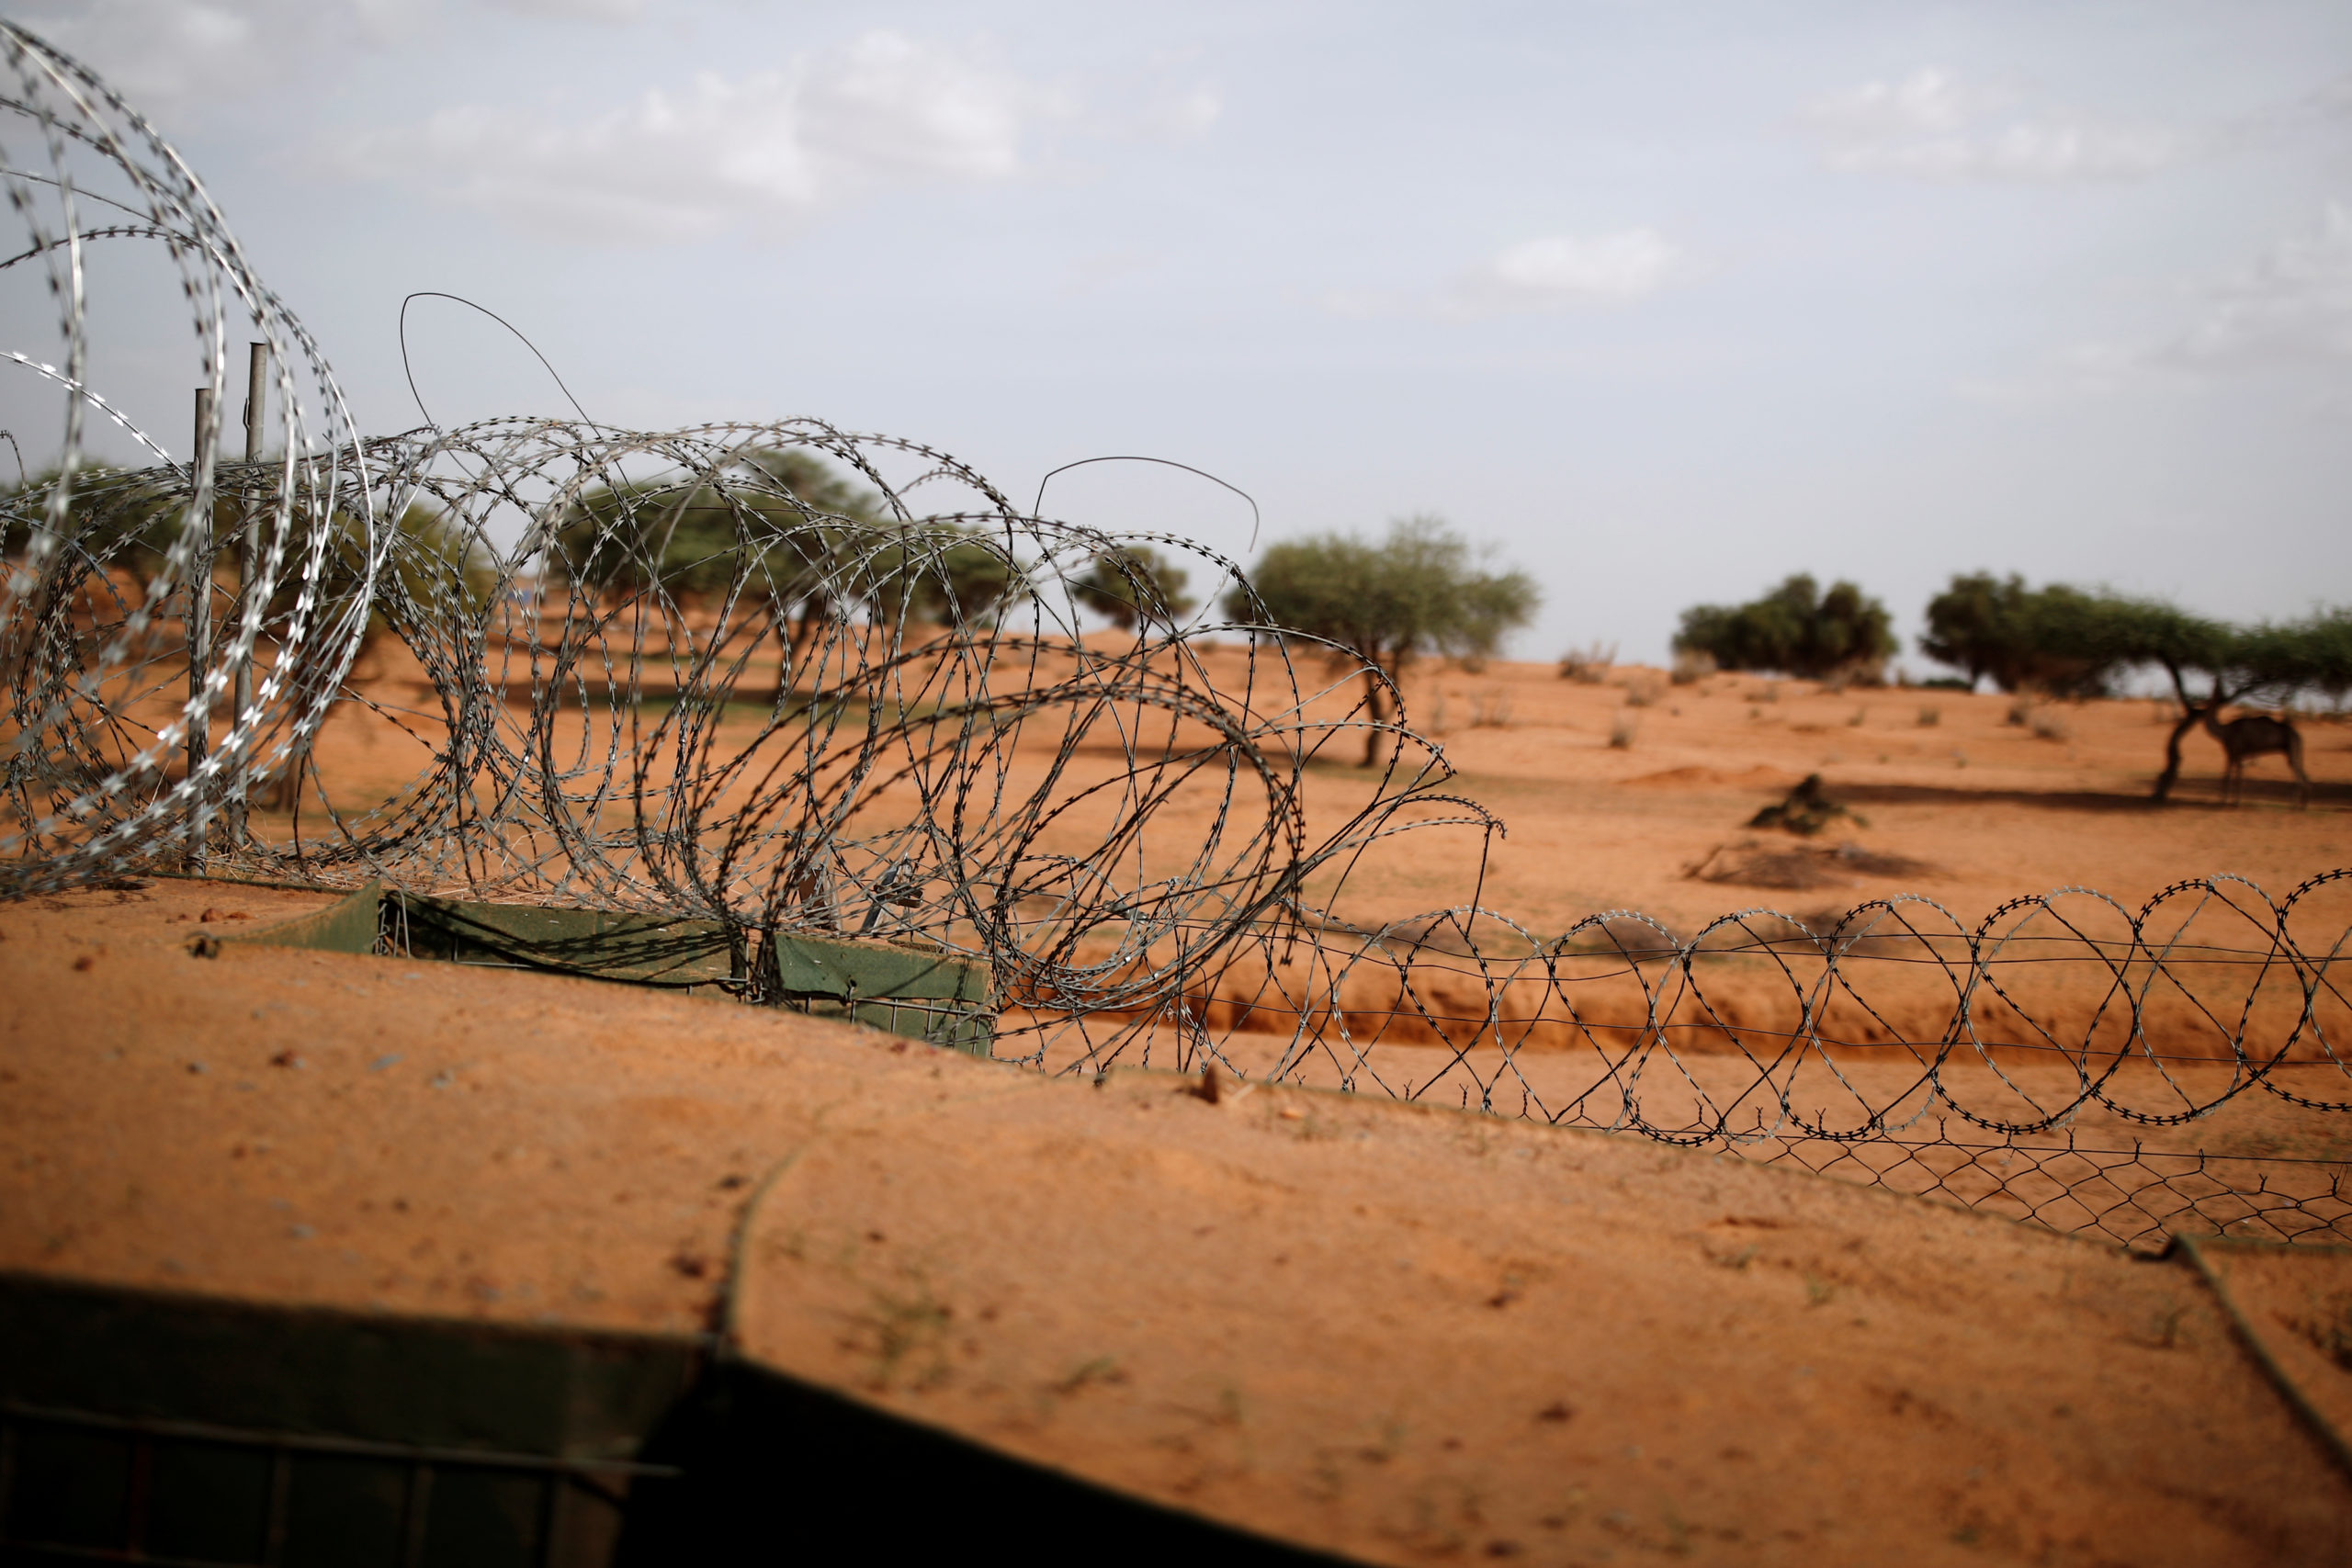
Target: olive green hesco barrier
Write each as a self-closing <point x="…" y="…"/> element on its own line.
<point x="924" y="996"/>
<point x="145" y="1426"/>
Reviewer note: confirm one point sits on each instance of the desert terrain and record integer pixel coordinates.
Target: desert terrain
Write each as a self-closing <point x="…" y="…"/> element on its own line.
<point x="1402" y="1332"/>
<point x="1613" y="796"/>
<point x="1618" y="826"/>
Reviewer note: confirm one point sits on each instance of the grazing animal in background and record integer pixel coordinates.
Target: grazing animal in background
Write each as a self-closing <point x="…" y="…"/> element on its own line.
<point x="2257" y="734"/>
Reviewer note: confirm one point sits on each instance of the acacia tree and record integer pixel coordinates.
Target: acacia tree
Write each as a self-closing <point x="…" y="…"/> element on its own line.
<point x="2016" y="634"/>
<point x="2272" y="661"/>
<point x="970" y="579"/>
<point x="2070" y="641"/>
<point x="1795" y="628"/>
<point x="1419" y="590"/>
<point x="1134" y="585"/>
<point x="683" y="534"/>
<point x="116" y="519"/>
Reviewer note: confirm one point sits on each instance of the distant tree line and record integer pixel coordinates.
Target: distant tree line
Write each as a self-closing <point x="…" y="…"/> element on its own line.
<point x="1795" y="628"/>
<point x="124" y="522"/>
<point x="816" y="558"/>
<point x="1419" y="590"/>
<point x="2056" y="641"/>
<point x="2065" y="642"/>
<point x="1384" y="603"/>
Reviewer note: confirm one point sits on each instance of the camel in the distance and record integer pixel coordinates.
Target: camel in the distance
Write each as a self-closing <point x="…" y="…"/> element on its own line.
<point x="2257" y="734"/>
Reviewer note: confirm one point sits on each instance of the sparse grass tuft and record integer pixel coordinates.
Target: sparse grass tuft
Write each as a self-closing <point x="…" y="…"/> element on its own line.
<point x="1589" y="665"/>
<point x="1622" y="732"/>
<point x="905" y="1328"/>
<point x="1690" y="667"/>
<point x="1930" y="715"/>
<point x="1644" y="687"/>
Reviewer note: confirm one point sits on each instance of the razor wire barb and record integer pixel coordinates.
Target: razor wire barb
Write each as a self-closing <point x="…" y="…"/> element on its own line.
<point x="790" y="678"/>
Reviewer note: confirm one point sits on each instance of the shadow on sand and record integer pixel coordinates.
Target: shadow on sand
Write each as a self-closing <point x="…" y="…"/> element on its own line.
<point x="2191" y="793"/>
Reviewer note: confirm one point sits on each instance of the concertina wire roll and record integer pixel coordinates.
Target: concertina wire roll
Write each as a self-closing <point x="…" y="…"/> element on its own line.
<point x="790" y="678"/>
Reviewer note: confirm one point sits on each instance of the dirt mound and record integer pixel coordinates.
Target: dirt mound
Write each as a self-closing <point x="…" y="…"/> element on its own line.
<point x="1797" y="867"/>
<point x="1407" y="1334"/>
<point x="1806" y="811"/>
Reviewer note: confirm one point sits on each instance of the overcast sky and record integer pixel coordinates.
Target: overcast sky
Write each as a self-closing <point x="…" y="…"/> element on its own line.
<point x="1663" y="301"/>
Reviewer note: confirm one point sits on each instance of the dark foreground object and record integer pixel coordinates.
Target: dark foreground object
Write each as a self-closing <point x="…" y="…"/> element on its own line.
<point x="141" y="1427"/>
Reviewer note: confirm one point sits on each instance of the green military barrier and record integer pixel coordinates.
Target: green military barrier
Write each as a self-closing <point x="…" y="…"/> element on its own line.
<point x="345" y="926"/>
<point x="644" y="950"/>
<point x="149" y="1426"/>
<point x="921" y="995"/>
<point x="152" y="1426"/>
<point x="931" y="996"/>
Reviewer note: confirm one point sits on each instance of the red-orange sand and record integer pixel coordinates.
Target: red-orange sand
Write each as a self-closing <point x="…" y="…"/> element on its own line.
<point x="1988" y="808"/>
<point x="1406" y="1334"/>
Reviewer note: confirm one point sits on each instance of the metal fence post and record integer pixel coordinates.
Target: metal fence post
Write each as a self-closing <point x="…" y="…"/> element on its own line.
<point x="199" y="628"/>
<point x="249" y="610"/>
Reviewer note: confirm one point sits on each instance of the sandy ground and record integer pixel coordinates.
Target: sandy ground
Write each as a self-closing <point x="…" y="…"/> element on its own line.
<point x="1989" y="809"/>
<point x="1959" y="819"/>
<point x="1984" y="809"/>
<point x="1407" y="1334"/>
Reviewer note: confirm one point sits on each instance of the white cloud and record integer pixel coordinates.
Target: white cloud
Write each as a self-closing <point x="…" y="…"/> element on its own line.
<point x="576" y="10"/>
<point x="1926" y="103"/>
<point x="2292" y="305"/>
<point x="176" y="61"/>
<point x="1160" y="99"/>
<point x="1103" y="269"/>
<point x="1181" y="115"/>
<point x="1367" y="304"/>
<point x="1560" y="270"/>
<point x="1932" y="125"/>
<point x="765" y="150"/>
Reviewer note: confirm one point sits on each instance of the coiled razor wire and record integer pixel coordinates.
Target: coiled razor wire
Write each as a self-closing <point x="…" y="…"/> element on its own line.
<point x="793" y="678"/>
<point x="121" y="637"/>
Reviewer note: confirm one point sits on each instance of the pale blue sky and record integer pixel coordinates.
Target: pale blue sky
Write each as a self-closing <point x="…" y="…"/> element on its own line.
<point x="1664" y="300"/>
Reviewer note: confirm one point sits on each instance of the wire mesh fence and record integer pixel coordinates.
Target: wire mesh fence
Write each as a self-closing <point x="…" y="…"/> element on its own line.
<point x="2137" y="1197"/>
<point x="780" y="677"/>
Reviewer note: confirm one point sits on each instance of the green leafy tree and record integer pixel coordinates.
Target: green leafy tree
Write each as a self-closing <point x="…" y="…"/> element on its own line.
<point x="778" y="531"/>
<point x="1795" y="628"/>
<point x="1419" y="590"/>
<point x="688" y="534"/>
<point x="2011" y="634"/>
<point x="1133" y="586"/>
<point x="954" y="577"/>
<point x="2210" y="664"/>
<point x="968" y="581"/>
<point x="811" y="547"/>
<point x="128" y="521"/>
<point x="434" y="569"/>
<point x="1976" y="626"/>
<point x="116" y="519"/>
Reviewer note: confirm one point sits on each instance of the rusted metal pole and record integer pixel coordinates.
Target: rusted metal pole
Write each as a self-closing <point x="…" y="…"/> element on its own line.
<point x="200" y="630"/>
<point x="249" y="609"/>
